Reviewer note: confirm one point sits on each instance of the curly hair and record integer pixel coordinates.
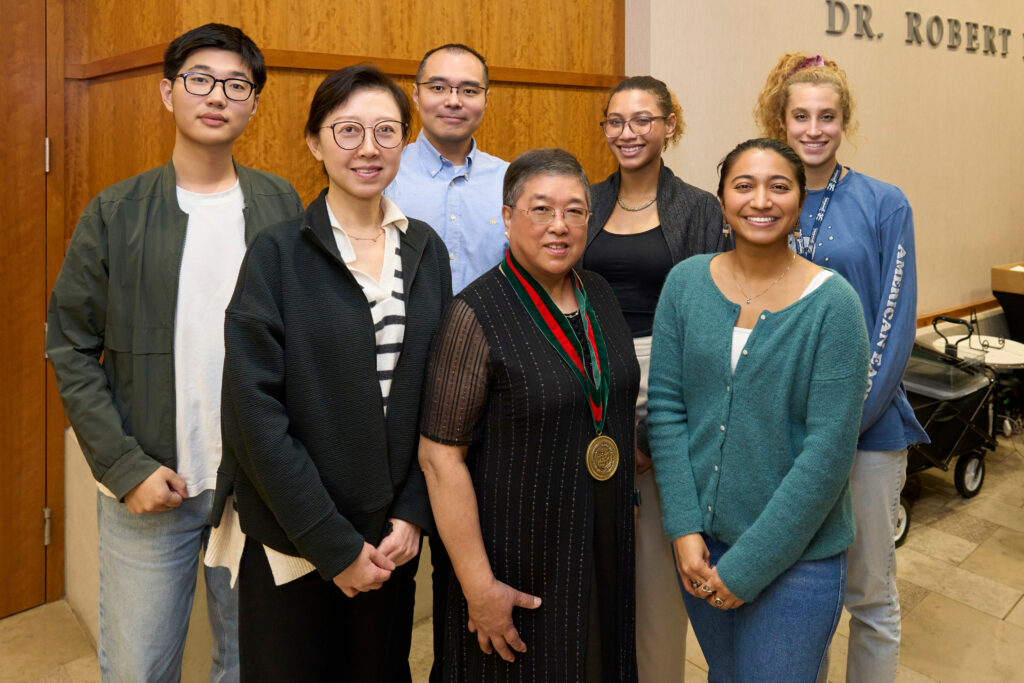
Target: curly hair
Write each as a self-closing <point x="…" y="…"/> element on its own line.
<point x="665" y="98"/>
<point x="792" y="68"/>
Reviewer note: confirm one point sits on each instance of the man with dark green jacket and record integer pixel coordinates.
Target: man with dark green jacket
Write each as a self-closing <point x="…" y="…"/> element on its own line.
<point x="135" y="334"/>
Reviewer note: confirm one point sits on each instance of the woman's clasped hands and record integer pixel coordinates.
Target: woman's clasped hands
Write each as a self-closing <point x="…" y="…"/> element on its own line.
<point x="373" y="566"/>
<point x="698" y="578"/>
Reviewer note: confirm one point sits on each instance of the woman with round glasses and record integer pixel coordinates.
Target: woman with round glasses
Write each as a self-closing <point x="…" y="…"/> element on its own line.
<point x="528" y="415"/>
<point x="326" y="344"/>
<point x="645" y="221"/>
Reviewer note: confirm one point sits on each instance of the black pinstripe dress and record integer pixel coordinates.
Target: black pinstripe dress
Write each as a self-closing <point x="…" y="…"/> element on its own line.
<point x="496" y="385"/>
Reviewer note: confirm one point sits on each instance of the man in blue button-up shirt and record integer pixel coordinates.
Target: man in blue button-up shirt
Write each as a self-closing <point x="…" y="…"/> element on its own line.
<point x="444" y="178"/>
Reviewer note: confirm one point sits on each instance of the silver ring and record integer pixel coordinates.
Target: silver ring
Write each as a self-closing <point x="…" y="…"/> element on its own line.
<point x="719" y="602"/>
<point x="706" y="588"/>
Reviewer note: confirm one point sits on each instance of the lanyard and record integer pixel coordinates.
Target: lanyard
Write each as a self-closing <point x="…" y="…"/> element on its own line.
<point x="557" y="330"/>
<point x="806" y="246"/>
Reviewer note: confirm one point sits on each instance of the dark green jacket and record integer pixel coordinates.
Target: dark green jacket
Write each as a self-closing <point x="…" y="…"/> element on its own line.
<point x="110" y="324"/>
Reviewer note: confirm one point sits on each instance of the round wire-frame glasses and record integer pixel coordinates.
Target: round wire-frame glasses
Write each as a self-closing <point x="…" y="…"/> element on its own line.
<point x="350" y="134"/>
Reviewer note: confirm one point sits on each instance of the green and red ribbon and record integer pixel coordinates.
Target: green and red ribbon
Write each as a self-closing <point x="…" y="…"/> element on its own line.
<point x="559" y="332"/>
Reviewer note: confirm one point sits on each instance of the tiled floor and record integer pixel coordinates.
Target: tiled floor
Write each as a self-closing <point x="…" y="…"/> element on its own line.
<point x="961" y="586"/>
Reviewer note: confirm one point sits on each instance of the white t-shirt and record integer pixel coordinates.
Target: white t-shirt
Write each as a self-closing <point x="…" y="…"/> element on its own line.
<point x="214" y="248"/>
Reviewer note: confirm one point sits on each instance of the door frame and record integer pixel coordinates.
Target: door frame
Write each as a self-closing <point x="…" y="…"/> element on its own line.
<point x="55" y="246"/>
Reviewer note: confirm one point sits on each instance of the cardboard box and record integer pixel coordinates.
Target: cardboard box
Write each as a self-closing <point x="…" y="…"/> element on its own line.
<point x="1006" y="279"/>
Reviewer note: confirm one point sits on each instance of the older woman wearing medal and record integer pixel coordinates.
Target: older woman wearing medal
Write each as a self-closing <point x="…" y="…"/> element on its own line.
<point x="528" y="406"/>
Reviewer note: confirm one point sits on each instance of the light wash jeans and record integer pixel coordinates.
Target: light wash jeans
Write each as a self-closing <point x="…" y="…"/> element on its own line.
<point x="782" y="635"/>
<point x="148" y="566"/>
<point x="871" y="599"/>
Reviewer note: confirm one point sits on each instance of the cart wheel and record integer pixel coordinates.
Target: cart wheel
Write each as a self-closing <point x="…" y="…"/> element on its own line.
<point x="969" y="474"/>
<point x="902" y="525"/>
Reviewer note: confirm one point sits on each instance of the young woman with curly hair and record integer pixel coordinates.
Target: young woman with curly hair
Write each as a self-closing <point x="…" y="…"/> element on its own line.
<point x="862" y="228"/>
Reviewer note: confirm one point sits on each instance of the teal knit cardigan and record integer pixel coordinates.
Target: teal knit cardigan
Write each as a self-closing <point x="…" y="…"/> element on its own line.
<point x="758" y="459"/>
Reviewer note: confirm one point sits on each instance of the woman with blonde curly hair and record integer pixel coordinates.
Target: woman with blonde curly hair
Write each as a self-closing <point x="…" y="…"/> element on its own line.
<point x="862" y="228"/>
<point x="645" y="220"/>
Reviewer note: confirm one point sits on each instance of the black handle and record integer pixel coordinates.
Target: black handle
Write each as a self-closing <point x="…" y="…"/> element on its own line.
<point x="951" y="348"/>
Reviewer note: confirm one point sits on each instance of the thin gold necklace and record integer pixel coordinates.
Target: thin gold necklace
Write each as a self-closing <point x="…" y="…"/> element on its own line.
<point x="365" y="239"/>
<point x="774" y="282"/>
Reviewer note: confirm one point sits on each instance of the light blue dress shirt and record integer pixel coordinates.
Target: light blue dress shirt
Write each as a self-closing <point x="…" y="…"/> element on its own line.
<point x="462" y="204"/>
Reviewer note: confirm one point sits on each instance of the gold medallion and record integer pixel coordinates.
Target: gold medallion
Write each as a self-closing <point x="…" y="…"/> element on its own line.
<point x="602" y="458"/>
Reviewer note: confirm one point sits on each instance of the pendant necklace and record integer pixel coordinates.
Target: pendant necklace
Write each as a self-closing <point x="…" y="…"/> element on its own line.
<point x="637" y="208"/>
<point x="774" y="282"/>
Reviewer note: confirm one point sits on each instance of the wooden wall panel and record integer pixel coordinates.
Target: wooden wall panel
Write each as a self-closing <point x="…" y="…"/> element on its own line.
<point x="570" y="36"/>
<point x="127" y="108"/>
<point x="522" y="118"/>
<point x="117" y="126"/>
<point x="128" y="126"/>
<point x="274" y="140"/>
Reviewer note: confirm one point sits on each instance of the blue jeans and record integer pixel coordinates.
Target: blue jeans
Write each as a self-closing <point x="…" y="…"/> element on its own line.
<point x="871" y="598"/>
<point x="780" y="636"/>
<point x="148" y="566"/>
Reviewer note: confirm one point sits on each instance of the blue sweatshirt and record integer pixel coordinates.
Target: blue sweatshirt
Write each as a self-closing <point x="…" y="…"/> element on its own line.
<point x="759" y="458"/>
<point x="868" y="238"/>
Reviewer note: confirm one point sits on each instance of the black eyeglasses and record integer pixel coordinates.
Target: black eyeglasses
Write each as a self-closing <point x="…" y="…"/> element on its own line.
<point x="350" y="134"/>
<point x="198" y="83"/>
<point x="466" y="91"/>
<point x="638" y="124"/>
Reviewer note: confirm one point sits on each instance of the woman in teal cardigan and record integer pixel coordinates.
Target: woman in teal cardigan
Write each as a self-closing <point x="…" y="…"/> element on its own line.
<point x="758" y="376"/>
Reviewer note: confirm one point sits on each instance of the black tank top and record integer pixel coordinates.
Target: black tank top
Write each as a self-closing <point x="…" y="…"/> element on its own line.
<point x="636" y="267"/>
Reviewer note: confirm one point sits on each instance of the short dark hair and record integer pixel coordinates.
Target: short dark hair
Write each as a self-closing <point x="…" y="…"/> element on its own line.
<point x="545" y="161"/>
<point x="777" y="146"/>
<point x="340" y="85"/>
<point x="219" y="37"/>
<point x="454" y="47"/>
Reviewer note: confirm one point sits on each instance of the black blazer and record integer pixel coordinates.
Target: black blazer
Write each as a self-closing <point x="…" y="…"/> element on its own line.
<point x="315" y="467"/>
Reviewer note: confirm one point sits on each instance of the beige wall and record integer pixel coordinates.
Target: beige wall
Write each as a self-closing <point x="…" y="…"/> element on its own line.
<point x="943" y="125"/>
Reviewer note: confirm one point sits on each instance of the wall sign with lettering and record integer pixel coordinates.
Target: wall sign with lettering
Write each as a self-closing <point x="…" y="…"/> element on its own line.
<point x="934" y="30"/>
